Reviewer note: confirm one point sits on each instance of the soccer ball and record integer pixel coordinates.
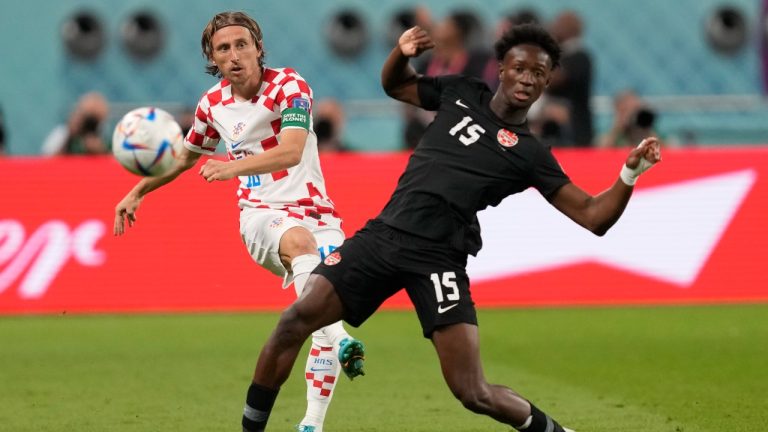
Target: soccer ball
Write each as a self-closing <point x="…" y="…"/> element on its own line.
<point x="146" y="141"/>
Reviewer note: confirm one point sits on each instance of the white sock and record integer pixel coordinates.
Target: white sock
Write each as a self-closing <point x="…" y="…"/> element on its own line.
<point x="527" y="423"/>
<point x="321" y="372"/>
<point x="322" y="368"/>
<point x="335" y="333"/>
<point x="302" y="266"/>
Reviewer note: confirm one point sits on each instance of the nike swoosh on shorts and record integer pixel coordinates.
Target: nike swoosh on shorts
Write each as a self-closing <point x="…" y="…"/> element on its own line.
<point x="441" y="309"/>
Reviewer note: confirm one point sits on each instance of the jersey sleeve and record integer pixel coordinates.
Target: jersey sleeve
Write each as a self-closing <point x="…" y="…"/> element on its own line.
<point x="295" y="100"/>
<point x="431" y="89"/>
<point x="202" y="137"/>
<point x="548" y="176"/>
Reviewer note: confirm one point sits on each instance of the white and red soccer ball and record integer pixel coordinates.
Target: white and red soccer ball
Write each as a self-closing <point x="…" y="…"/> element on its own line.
<point x="146" y="141"/>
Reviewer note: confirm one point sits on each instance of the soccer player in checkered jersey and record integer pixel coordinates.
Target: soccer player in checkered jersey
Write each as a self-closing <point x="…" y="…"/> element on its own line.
<point x="262" y="117"/>
<point x="476" y="152"/>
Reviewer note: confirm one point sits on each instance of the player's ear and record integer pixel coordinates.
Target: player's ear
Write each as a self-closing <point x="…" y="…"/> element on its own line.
<point x="549" y="77"/>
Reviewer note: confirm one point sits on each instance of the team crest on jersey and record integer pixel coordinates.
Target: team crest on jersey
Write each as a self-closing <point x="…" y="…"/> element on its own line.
<point x="238" y="129"/>
<point x="300" y="103"/>
<point x="507" y="138"/>
<point x="333" y="259"/>
<point x="276" y="222"/>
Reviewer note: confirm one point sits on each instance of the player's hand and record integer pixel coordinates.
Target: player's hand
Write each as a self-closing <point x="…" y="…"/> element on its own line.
<point x="648" y="150"/>
<point x="125" y="209"/>
<point x="640" y="159"/>
<point x="214" y="169"/>
<point x="415" y="41"/>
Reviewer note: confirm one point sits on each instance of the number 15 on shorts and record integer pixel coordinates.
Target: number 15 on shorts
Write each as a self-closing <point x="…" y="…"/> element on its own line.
<point x="445" y="286"/>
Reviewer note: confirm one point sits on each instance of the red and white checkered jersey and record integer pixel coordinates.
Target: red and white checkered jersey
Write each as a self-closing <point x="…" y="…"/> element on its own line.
<point x="251" y="127"/>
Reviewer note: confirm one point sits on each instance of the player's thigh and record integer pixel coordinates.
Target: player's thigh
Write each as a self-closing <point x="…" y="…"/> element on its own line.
<point x="458" y="350"/>
<point x="362" y="272"/>
<point x="439" y="290"/>
<point x="296" y="241"/>
<point x="261" y="231"/>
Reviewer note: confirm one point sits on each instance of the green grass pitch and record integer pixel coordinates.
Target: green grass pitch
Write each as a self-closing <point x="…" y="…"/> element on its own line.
<point x="691" y="369"/>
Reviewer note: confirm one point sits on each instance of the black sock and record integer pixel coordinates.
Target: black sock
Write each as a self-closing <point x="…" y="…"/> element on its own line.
<point x="541" y="422"/>
<point x="258" y="406"/>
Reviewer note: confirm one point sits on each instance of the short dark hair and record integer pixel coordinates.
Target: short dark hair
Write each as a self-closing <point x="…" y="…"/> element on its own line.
<point x="226" y="19"/>
<point x="528" y="34"/>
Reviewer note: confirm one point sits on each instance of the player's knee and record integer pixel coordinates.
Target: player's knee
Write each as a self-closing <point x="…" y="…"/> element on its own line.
<point x="297" y="241"/>
<point x="291" y="328"/>
<point x="475" y="397"/>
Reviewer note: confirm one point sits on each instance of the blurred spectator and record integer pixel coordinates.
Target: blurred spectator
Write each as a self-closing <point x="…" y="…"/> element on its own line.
<point x="572" y="83"/>
<point x="451" y="55"/>
<point x="633" y="120"/>
<point x="82" y="134"/>
<point x="328" y="124"/>
<point x="406" y="18"/>
<point x="3" y="149"/>
<point x="551" y="124"/>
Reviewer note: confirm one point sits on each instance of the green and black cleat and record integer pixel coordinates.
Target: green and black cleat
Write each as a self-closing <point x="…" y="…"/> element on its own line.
<point x="352" y="357"/>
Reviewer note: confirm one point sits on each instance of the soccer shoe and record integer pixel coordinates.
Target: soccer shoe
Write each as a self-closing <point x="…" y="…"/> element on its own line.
<point x="351" y="357"/>
<point x="568" y="430"/>
<point x="307" y="428"/>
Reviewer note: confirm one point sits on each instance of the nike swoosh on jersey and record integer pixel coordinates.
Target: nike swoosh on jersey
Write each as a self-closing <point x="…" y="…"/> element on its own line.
<point x="461" y="104"/>
<point x="441" y="309"/>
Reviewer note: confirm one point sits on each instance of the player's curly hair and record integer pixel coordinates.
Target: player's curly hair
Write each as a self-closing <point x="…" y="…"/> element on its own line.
<point x="227" y="19"/>
<point x="528" y="34"/>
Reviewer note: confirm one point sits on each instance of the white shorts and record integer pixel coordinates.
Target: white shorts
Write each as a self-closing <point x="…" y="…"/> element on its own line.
<point x="261" y="231"/>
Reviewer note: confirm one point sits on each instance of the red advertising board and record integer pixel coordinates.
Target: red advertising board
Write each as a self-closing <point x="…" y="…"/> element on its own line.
<point x="694" y="232"/>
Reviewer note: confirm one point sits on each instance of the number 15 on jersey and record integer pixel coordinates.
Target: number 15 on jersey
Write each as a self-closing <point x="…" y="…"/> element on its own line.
<point x="470" y="132"/>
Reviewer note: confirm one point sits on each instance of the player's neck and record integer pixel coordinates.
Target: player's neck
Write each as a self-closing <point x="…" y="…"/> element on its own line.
<point x="506" y="112"/>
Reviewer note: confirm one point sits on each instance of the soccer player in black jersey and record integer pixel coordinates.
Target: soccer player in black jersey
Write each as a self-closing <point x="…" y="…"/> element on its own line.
<point x="477" y="151"/>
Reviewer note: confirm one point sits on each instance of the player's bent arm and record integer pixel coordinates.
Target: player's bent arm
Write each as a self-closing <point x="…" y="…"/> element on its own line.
<point x="596" y="213"/>
<point x="184" y="161"/>
<point x="286" y="155"/>
<point x="398" y="78"/>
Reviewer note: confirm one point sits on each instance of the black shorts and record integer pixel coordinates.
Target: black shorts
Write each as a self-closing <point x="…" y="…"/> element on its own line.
<point x="379" y="261"/>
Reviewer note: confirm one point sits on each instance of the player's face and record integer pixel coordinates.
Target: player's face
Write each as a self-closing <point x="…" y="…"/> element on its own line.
<point x="236" y="54"/>
<point x="524" y="74"/>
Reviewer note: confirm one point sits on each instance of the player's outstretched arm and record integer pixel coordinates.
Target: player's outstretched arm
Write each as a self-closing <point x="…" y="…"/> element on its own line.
<point x="126" y="208"/>
<point x="398" y="78"/>
<point x="598" y="213"/>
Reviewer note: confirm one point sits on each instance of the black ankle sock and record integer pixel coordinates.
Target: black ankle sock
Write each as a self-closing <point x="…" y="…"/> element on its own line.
<point x="258" y="406"/>
<point x="542" y="422"/>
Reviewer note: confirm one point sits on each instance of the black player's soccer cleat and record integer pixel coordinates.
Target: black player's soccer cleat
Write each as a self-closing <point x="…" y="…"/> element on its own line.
<point x="351" y="357"/>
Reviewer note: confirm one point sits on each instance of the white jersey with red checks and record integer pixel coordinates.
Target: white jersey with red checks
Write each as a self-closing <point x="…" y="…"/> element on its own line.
<point x="251" y="127"/>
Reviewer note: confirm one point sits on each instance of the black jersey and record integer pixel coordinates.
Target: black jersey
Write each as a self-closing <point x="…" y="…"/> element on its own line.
<point x="467" y="160"/>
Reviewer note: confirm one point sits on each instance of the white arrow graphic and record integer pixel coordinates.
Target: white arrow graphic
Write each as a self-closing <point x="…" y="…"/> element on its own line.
<point x="666" y="232"/>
